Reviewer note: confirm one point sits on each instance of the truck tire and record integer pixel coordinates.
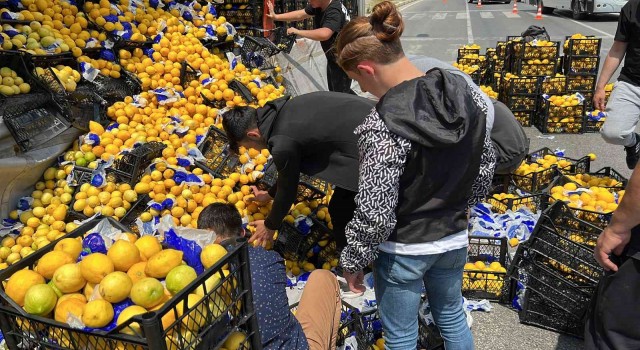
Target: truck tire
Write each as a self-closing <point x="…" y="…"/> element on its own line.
<point x="576" y="13"/>
<point x="547" y="10"/>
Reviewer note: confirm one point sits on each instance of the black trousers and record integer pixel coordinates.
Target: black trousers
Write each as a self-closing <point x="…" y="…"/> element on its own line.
<point x="337" y="79"/>
<point x="341" y="208"/>
<point x="614" y="317"/>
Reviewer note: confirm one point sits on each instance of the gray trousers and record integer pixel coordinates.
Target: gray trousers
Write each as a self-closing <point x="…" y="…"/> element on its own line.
<point x="623" y="114"/>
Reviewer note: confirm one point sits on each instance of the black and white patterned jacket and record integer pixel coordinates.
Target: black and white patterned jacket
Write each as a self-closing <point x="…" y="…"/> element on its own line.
<point x="383" y="156"/>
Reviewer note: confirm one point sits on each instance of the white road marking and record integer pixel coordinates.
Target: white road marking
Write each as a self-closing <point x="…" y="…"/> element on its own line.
<point x="486" y="14"/>
<point x="462" y="15"/>
<point x="469" y="29"/>
<point x="417" y="16"/>
<point x="439" y="16"/>
<point x="510" y="14"/>
<point x="607" y="35"/>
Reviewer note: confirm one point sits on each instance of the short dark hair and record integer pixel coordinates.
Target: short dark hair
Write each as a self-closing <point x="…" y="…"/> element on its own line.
<point x="223" y="218"/>
<point x="236" y="122"/>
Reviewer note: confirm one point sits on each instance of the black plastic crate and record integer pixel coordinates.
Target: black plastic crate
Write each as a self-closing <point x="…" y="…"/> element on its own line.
<point x="113" y="90"/>
<point x="520" y="85"/>
<point x="551" y="119"/>
<point x="283" y="41"/>
<point x="86" y="106"/>
<point x="187" y="74"/>
<point x="516" y="102"/>
<point x="536" y="181"/>
<point x="605" y="172"/>
<point x="487" y="249"/>
<point x="580" y="165"/>
<point x="593" y="124"/>
<point x="540" y="312"/>
<point x="525" y="51"/>
<point x="256" y="51"/>
<point x="533" y="202"/>
<point x="44" y="61"/>
<point x="429" y="337"/>
<point x="33" y="119"/>
<point x="555" y="288"/>
<point x="137" y="208"/>
<point x="81" y="175"/>
<point x="581" y="65"/>
<point x="226" y="307"/>
<point x="585" y="83"/>
<point x="600" y="219"/>
<point x="16" y="60"/>
<point x="556" y="85"/>
<point x="478" y="285"/>
<point x="464" y="52"/>
<point x="525" y="118"/>
<point x="589" y="46"/>
<point x="293" y="244"/>
<point x="131" y="166"/>
<point x="563" y="242"/>
<point x="527" y="68"/>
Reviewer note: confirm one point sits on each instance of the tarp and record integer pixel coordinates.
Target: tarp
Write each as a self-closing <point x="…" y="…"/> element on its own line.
<point x="20" y="171"/>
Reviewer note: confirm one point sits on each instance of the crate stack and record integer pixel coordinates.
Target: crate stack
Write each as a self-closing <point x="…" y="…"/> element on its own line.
<point x="520" y="95"/>
<point x="485" y="274"/>
<point x="561" y="114"/>
<point x="470" y="61"/>
<point x="558" y="271"/>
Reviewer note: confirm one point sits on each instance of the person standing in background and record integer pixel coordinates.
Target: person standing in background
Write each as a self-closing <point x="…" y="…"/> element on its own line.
<point x="329" y="17"/>
<point x="623" y="108"/>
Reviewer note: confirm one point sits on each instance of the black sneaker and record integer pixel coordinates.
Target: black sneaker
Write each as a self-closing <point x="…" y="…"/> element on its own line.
<point x="633" y="153"/>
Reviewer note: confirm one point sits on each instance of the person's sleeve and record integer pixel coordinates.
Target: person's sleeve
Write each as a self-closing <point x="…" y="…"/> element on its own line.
<point x="622" y="33"/>
<point x="273" y="190"/>
<point x="288" y="165"/>
<point x="482" y="183"/>
<point x="382" y="160"/>
<point x="310" y="10"/>
<point x="333" y="19"/>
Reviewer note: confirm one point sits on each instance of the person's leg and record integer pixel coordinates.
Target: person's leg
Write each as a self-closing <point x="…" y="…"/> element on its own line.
<point x="319" y="310"/>
<point x="623" y="113"/>
<point x="337" y="79"/>
<point x="398" y="285"/>
<point x="341" y="208"/>
<point x="443" y="282"/>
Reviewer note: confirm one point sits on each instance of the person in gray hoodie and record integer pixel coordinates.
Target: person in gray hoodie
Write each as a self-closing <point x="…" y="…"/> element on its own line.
<point x="421" y="151"/>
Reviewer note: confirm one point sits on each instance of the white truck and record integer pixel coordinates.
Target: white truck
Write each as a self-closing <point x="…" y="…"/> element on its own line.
<point x="580" y="8"/>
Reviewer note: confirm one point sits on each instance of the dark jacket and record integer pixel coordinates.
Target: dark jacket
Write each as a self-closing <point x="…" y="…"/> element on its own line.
<point x="447" y="129"/>
<point x="312" y="134"/>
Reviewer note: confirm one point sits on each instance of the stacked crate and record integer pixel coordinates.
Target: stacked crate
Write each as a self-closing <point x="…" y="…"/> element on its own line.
<point x="471" y="62"/>
<point x="520" y="95"/>
<point x="561" y="114"/>
<point x="581" y="62"/>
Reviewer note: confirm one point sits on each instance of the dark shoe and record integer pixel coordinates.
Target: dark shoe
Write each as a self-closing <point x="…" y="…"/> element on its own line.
<point x="633" y="153"/>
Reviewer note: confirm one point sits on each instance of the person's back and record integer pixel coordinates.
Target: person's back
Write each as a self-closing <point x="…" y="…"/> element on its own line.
<point x="319" y="133"/>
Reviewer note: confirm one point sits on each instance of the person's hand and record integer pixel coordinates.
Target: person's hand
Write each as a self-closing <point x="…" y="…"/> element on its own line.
<point x="272" y="14"/>
<point x="260" y="195"/>
<point x="292" y="30"/>
<point x="262" y="235"/>
<point x="355" y="281"/>
<point x="610" y="242"/>
<point x="598" y="99"/>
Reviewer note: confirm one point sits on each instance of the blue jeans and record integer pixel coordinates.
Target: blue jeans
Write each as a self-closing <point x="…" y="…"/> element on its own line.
<point x="398" y="285"/>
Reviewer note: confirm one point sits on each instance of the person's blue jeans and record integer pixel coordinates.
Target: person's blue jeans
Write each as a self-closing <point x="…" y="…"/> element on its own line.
<point x="398" y="285"/>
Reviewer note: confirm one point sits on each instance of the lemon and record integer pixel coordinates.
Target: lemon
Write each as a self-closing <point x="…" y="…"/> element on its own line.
<point x="159" y="265"/>
<point x="97" y="313"/>
<point x="148" y="246"/>
<point x="235" y="340"/>
<point x="211" y="254"/>
<point x="115" y="287"/>
<point x="95" y="267"/>
<point x="51" y="261"/>
<point x="147" y="292"/>
<point x="64" y="309"/>
<point x="40" y="300"/>
<point x="180" y="277"/>
<point x="68" y="278"/>
<point x="126" y="314"/>
<point x="124" y="254"/>
<point x="20" y="282"/>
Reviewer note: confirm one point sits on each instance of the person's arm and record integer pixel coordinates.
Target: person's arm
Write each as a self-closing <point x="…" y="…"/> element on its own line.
<point x="617" y="235"/>
<point x="292" y="16"/>
<point x="287" y="189"/>
<point x="611" y="63"/>
<point x="320" y="34"/>
<point x="382" y="160"/>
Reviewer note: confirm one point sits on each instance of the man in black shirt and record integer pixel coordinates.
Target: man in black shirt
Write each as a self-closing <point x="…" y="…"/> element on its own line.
<point x="623" y="107"/>
<point x="311" y="134"/>
<point x="329" y="16"/>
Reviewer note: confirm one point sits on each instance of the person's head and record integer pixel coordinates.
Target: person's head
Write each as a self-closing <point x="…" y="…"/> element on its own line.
<point x="241" y="126"/>
<point x="223" y="219"/>
<point x="319" y="3"/>
<point x="369" y="48"/>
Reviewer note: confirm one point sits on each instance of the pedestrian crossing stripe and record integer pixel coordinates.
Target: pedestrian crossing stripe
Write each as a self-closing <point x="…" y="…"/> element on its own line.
<point x="461" y="15"/>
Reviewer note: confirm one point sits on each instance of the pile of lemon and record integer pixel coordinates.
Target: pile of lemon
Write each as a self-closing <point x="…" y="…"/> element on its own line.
<point x="469" y="69"/>
<point x="590" y="198"/>
<point x="479" y="276"/>
<point x="11" y="83"/>
<point x="498" y="201"/>
<point x="489" y="91"/>
<point x="65" y="288"/>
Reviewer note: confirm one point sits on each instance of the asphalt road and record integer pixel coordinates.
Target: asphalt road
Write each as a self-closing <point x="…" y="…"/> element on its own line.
<point x="437" y="28"/>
